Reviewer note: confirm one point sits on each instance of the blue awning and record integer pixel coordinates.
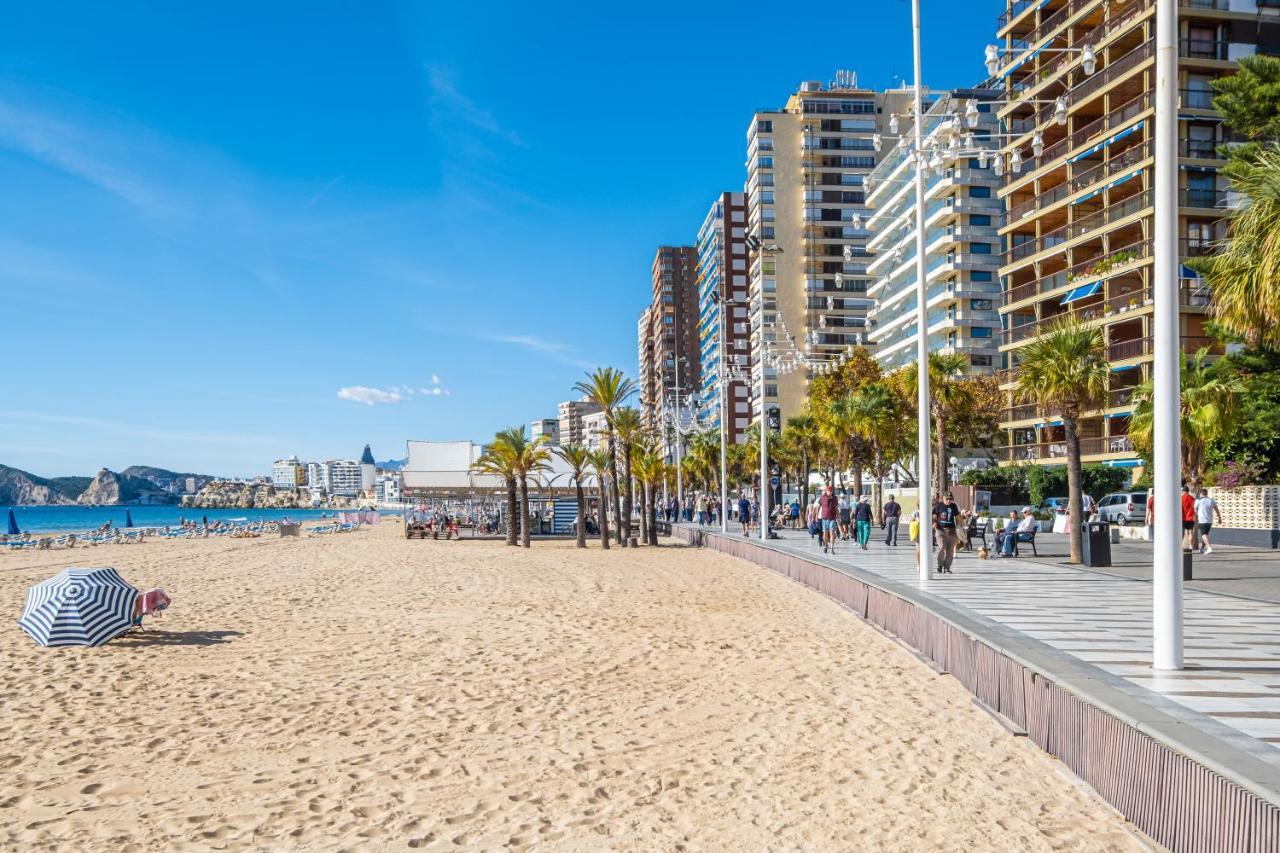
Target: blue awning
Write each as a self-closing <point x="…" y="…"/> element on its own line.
<point x="1127" y="177"/>
<point x="1095" y="149"/>
<point x="1082" y="292"/>
<point x="1188" y="272"/>
<point x="1123" y="367"/>
<point x="1088" y="196"/>
<point x="1124" y="463"/>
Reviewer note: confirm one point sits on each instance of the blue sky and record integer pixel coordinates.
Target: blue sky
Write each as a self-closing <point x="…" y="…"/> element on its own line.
<point x="217" y="217"/>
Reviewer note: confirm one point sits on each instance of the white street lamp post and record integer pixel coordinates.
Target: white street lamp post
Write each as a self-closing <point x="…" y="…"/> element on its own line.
<point x="764" y="430"/>
<point x="1167" y="547"/>
<point x="724" y="390"/>
<point x="923" y="480"/>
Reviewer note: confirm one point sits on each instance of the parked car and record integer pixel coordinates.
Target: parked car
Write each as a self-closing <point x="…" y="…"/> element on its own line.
<point x="1124" y="508"/>
<point x="1057" y="505"/>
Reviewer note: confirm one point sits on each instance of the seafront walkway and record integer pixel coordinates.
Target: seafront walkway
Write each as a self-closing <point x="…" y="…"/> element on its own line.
<point x="1063" y="655"/>
<point x="1232" y="644"/>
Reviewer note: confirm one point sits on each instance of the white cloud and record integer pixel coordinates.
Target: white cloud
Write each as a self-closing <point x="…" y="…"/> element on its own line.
<point x="370" y="396"/>
<point x="392" y="393"/>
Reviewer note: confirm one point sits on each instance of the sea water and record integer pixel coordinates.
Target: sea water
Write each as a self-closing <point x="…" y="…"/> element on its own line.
<point x="60" y="519"/>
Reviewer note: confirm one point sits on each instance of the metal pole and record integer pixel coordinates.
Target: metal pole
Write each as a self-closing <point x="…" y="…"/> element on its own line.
<point x="764" y="432"/>
<point x="923" y="480"/>
<point x="1166" y="454"/>
<point x="724" y="390"/>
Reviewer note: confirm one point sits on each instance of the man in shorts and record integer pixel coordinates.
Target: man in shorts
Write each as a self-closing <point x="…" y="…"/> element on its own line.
<point x="1206" y="510"/>
<point x="829" y="517"/>
<point x="744" y="514"/>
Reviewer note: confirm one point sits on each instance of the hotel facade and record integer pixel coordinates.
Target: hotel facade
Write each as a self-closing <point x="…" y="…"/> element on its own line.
<point x="1078" y="190"/>
<point x="963" y="216"/>
<point x="724" y="340"/>
<point x="807" y="164"/>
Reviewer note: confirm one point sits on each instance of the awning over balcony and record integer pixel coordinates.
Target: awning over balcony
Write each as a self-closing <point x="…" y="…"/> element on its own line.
<point x="1124" y="367"/>
<point x="1095" y="149"/>
<point x="1082" y="292"/>
<point x="1124" y="463"/>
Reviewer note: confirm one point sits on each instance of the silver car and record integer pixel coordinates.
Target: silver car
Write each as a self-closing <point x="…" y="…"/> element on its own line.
<point x="1124" y="508"/>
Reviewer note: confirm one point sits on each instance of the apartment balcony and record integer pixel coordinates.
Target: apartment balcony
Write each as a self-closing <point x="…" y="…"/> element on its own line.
<point x="1086" y="134"/>
<point x="1103" y="218"/>
<point x="1104" y="77"/>
<point x="1204" y="199"/>
<point x="1203" y="49"/>
<point x="1090" y="175"/>
<point x="1195" y="99"/>
<point x="1080" y="273"/>
<point x="1056" y="451"/>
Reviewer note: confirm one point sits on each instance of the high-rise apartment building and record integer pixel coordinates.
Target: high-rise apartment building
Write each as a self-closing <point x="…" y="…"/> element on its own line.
<point x="963" y="215"/>
<point x="571" y="413"/>
<point x="673" y="317"/>
<point x="806" y="205"/>
<point x="1079" y="189"/>
<point x="550" y="427"/>
<point x="647" y="380"/>
<point x="723" y="325"/>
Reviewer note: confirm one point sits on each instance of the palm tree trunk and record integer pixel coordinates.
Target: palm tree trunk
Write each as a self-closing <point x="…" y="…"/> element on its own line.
<point x="1074" y="498"/>
<point x="805" y="467"/>
<point x="524" y="512"/>
<point x="582" y="515"/>
<point x="513" y="517"/>
<point x="604" y="516"/>
<point x="629" y="494"/>
<point x="877" y="488"/>
<point x="653" y="518"/>
<point x="940" y="445"/>
<point x="644" y="514"/>
<point x="615" y="484"/>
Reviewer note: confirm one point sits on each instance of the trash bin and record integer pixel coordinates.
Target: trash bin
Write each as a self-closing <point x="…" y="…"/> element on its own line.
<point x="1096" y="544"/>
<point x="1186" y="564"/>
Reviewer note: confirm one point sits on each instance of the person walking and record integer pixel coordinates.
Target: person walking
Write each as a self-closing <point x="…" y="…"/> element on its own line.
<point x="846" y="510"/>
<point x="945" y="516"/>
<point x="700" y="507"/>
<point x="829" y="515"/>
<point x="1206" y="510"/>
<point x="744" y="514"/>
<point x="795" y="514"/>
<point x="862" y="518"/>
<point x="891" y="512"/>
<point x="811" y="520"/>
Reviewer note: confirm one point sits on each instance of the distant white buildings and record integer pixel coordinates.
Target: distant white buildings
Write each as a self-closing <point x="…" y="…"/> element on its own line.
<point x="288" y="473"/>
<point x="550" y="427"/>
<point x="595" y="430"/>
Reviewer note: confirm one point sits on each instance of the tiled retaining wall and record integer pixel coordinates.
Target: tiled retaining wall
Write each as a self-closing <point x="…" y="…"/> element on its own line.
<point x="1177" y="801"/>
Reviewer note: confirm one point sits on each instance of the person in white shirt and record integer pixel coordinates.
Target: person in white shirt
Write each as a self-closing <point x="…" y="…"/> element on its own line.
<point x="1206" y="509"/>
<point x="1022" y="533"/>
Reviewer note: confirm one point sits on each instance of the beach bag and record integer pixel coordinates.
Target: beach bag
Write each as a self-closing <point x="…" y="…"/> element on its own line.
<point x="813" y="528"/>
<point x="914" y="530"/>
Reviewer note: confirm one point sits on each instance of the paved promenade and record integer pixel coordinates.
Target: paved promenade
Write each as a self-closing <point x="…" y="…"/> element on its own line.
<point x="1231" y="686"/>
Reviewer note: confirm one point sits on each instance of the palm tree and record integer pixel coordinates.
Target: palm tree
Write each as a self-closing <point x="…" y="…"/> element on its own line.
<point x="874" y="413"/>
<point x="608" y="388"/>
<point x="578" y="458"/>
<point x="1210" y="402"/>
<point x="649" y="470"/>
<point x="1065" y="372"/>
<point x="804" y="433"/>
<point x="1244" y="273"/>
<point x="499" y="460"/>
<point x="948" y="394"/>
<point x="628" y="427"/>
<point x="532" y="456"/>
<point x="600" y="462"/>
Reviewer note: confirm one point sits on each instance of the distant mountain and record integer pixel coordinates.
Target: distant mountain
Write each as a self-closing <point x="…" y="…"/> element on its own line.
<point x="22" y="487"/>
<point x="132" y="485"/>
<point x="392" y="464"/>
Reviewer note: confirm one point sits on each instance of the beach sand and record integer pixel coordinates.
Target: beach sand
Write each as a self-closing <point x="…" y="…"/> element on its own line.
<point x="362" y="691"/>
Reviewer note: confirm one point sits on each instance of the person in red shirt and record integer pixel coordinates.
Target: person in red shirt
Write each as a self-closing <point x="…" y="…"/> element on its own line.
<point x="829" y="515"/>
<point x="1188" y="513"/>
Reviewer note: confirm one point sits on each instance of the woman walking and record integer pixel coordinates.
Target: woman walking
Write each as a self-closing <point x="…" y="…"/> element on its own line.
<point x="862" y="518"/>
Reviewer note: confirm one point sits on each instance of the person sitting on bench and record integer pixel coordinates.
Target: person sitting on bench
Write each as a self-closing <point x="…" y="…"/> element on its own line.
<point x="1025" y="531"/>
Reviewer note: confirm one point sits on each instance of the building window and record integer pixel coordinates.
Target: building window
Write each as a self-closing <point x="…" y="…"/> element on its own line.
<point x="764" y="126"/>
<point x="980" y="248"/>
<point x="979" y="219"/>
<point x="979" y="192"/>
<point x="980" y="360"/>
<point x="980" y="304"/>
<point x="766" y="197"/>
<point x="980" y="332"/>
<point x="980" y="275"/>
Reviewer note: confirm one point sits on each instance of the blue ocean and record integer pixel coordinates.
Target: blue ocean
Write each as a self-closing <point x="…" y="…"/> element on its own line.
<point x="61" y="519"/>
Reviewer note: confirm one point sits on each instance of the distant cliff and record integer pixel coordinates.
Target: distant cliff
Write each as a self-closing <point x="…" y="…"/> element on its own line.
<point x="229" y="494"/>
<point x="136" y="484"/>
<point x="22" y="488"/>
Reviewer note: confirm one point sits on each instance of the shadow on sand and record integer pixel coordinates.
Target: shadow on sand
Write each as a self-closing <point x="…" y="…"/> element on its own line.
<point x="152" y="637"/>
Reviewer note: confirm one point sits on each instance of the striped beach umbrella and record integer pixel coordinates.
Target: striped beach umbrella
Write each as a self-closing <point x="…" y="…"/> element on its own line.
<point x="79" y="607"/>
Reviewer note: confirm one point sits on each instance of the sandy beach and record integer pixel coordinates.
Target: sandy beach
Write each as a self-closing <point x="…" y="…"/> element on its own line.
<point x="364" y="692"/>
